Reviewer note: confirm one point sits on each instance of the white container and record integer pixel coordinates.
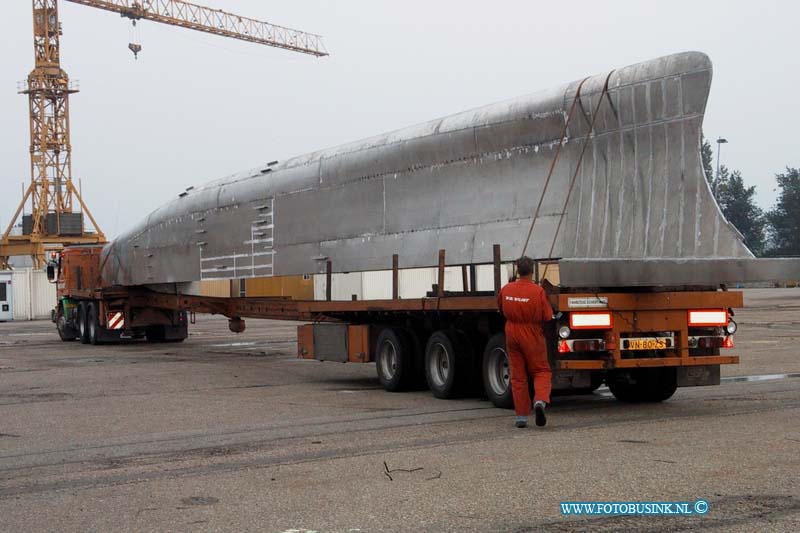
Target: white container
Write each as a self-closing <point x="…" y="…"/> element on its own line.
<point x="33" y="296"/>
<point x="6" y="296"/>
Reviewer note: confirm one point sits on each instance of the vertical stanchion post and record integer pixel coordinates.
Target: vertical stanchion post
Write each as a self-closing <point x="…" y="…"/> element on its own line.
<point x="464" y="279"/>
<point x="440" y="288"/>
<point x="473" y="279"/>
<point x="497" y="265"/>
<point x="395" y="277"/>
<point x="328" y="280"/>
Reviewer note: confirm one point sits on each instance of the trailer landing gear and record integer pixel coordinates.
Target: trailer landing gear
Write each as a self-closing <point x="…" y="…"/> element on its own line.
<point x="236" y="325"/>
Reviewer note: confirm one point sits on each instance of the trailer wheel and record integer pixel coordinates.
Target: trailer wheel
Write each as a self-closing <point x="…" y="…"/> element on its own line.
<point x="497" y="373"/>
<point x="664" y="385"/>
<point x="447" y="364"/>
<point x="92" y="325"/>
<point x="83" y="333"/>
<point x="644" y="385"/>
<point x="155" y="333"/>
<point x="394" y="360"/>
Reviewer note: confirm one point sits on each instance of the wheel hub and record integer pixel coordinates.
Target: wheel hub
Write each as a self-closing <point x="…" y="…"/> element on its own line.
<point x="388" y="360"/>
<point x="440" y="365"/>
<point x="499" y="371"/>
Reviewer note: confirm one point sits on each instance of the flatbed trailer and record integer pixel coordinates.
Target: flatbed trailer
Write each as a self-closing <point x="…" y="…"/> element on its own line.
<point x="602" y="175"/>
<point x="642" y="342"/>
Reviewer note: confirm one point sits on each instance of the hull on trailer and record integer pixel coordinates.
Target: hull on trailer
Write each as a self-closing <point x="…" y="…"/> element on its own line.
<point x="463" y="183"/>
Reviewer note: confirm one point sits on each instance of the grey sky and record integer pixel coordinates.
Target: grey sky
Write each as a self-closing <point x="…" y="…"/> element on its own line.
<point x="195" y="107"/>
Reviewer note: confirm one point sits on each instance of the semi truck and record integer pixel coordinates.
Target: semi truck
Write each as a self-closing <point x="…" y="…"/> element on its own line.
<point x="600" y="180"/>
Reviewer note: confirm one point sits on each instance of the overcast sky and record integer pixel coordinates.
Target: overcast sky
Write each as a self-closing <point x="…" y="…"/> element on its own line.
<point x="195" y="107"/>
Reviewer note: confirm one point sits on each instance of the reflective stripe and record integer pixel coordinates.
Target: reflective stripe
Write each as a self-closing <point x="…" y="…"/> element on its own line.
<point x="116" y="320"/>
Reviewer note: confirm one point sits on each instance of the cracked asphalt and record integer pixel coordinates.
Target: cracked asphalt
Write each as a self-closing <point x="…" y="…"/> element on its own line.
<point x="231" y="432"/>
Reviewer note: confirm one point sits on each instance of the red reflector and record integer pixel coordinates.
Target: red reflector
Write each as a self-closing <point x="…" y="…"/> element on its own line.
<point x="728" y="342"/>
<point x="563" y="347"/>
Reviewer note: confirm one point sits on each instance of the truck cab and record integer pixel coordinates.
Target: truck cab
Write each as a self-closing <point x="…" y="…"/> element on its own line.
<point x="91" y="311"/>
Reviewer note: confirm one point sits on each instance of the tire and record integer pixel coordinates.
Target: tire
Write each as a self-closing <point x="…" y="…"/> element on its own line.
<point x="65" y="332"/>
<point x="93" y="325"/>
<point x="395" y="360"/>
<point x="155" y="334"/>
<point x="83" y="330"/>
<point x="644" y="385"/>
<point x="496" y="372"/>
<point x="447" y="364"/>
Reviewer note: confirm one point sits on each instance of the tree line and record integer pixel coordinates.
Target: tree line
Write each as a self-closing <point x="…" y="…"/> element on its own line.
<point x="771" y="233"/>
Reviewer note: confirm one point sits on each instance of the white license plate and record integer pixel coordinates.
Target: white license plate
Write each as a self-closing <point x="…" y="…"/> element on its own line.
<point x="648" y="343"/>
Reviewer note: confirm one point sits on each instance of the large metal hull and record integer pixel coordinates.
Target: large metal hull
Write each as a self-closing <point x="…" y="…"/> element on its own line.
<point x="462" y="183"/>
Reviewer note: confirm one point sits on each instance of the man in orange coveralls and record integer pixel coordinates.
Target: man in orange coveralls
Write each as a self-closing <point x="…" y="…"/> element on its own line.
<point x="525" y="306"/>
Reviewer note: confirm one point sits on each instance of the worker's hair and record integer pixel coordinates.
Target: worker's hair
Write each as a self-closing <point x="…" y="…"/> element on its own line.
<point x="524" y="266"/>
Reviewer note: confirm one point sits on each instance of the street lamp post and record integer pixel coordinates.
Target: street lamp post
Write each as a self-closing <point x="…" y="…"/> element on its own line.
<point x="720" y="142"/>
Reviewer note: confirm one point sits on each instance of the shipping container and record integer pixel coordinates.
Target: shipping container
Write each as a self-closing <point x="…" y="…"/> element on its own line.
<point x="33" y="295"/>
<point x="6" y="296"/>
<point x="294" y="287"/>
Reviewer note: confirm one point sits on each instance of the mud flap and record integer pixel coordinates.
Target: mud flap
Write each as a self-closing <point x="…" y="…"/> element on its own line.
<point x="571" y="379"/>
<point x="698" y="376"/>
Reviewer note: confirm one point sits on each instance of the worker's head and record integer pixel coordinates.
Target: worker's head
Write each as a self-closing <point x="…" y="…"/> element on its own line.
<point x="524" y="267"/>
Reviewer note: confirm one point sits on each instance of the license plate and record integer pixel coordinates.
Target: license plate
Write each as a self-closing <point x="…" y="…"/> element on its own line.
<point x="658" y="343"/>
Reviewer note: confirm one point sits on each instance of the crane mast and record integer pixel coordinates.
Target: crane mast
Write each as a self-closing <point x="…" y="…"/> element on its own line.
<point x="54" y="219"/>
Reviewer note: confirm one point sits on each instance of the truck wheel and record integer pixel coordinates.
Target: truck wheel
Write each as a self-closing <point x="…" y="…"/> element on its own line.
<point x="83" y="332"/>
<point x="66" y="333"/>
<point x="394" y="359"/>
<point x="651" y="385"/>
<point x="497" y="373"/>
<point x="93" y="325"/>
<point x="447" y="364"/>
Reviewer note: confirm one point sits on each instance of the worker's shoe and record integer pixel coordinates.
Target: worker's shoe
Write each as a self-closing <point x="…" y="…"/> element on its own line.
<point x="538" y="409"/>
<point x="522" y="422"/>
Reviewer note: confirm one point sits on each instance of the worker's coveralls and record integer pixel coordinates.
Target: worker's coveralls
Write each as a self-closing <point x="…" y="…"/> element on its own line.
<point x="525" y="306"/>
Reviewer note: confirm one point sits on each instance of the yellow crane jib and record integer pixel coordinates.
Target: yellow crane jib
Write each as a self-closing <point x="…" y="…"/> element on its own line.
<point x="214" y="21"/>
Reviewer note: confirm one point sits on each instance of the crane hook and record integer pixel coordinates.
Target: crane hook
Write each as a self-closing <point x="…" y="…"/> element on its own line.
<point x="135" y="48"/>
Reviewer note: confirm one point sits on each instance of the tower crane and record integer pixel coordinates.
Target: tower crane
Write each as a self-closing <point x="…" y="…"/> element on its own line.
<point x="54" y="219"/>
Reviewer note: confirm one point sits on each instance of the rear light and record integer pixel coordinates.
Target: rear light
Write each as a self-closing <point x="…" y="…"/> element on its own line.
<point x="731" y="327"/>
<point x="590" y="320"/>
<point x="711" y="342"/>
<point x="563" y="347"/>
<point x="564" y="332"/>
<point x="728" y="342"/>
<point x="585" y="346"/>
<point x="708" y="317"/>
